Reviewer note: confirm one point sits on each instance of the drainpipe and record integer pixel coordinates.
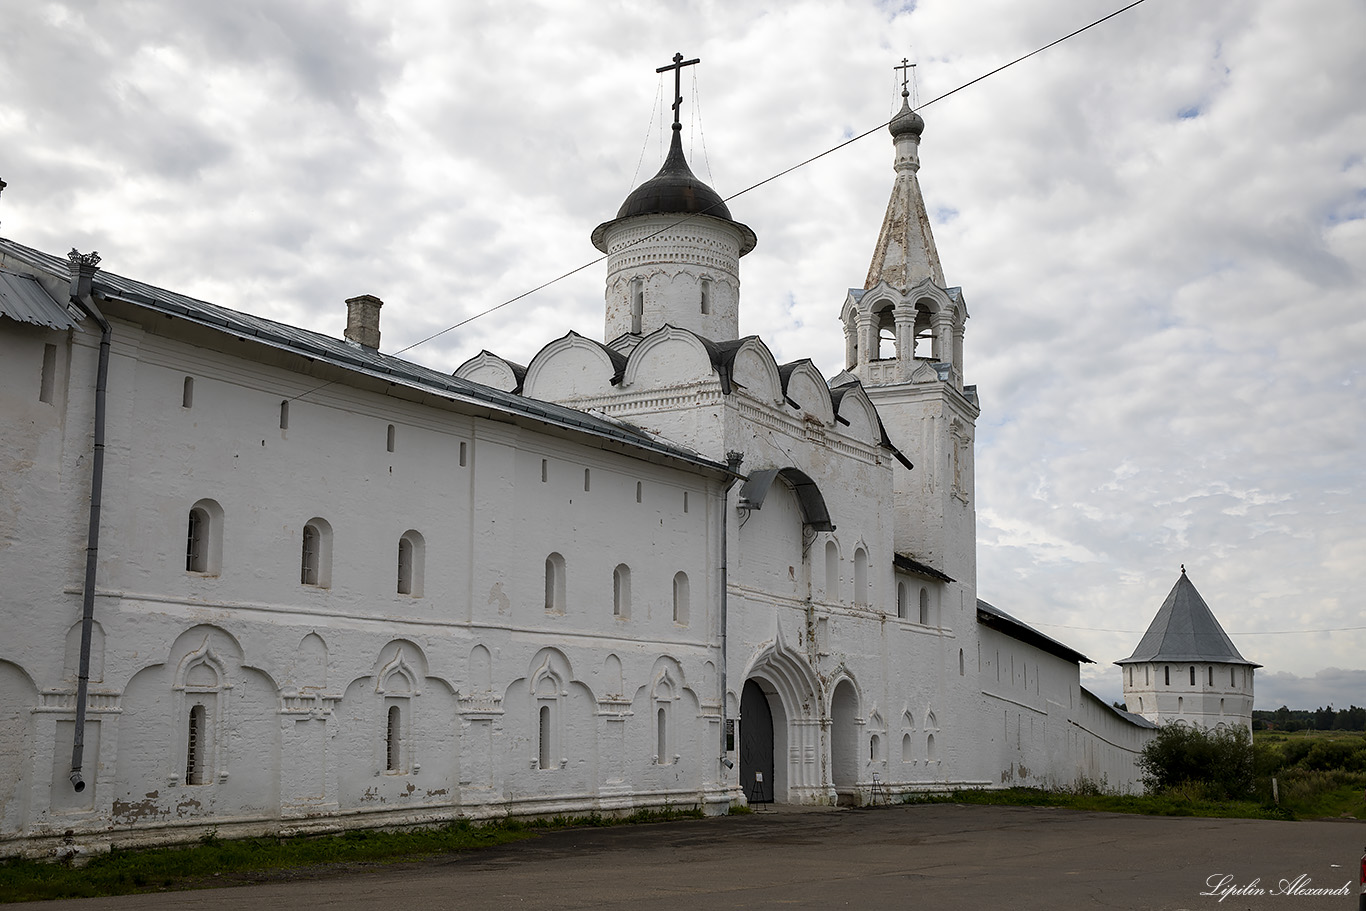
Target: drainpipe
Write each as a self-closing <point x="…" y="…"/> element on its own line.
<point x="733" y="460"/>
<point x="83" y="268"/>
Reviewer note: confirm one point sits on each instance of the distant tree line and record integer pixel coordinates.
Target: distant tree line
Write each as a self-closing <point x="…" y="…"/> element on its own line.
<point x="1322" y="719"/>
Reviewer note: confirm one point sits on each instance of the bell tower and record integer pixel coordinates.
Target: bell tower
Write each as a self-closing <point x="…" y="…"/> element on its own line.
<point x="903" y="335"/>
<point x="673" y="251"/>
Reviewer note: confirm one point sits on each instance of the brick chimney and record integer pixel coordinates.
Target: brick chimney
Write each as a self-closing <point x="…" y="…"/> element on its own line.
<point x="362" y="320"/>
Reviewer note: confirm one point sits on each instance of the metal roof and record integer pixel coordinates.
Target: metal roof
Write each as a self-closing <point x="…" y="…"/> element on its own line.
<point x="911" y="565"/>
<point x="992" y="616"/>
<point x="1185" y="630"/>
<point x="24" y="300"/>
<point x="353" y="357"/>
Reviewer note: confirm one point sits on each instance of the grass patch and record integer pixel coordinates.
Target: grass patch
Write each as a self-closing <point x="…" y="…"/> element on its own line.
<point x="220" y="862"/>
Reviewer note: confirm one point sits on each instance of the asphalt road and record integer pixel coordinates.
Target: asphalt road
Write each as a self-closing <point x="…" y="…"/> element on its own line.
<point x="937" y="856"/>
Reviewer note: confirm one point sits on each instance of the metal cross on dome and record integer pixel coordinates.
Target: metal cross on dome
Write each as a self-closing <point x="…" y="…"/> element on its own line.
<point x="905" y="67"/>
<point x="677" y="67"/>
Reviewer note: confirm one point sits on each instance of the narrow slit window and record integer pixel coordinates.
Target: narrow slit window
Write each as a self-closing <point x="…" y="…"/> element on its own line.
<point x="196" y="544"/>
<point x="389" y="438"/>
<point x="685" y="501"/>
<point x="187" y="393"/>
<point x="194" y="752"/>
<point x="621" y="591"/>
<point x="405" y="566"/>
<point x="585" y="479"/>
<point x="924" y="607"/>
<point x="1192" y="675"/>
<point x="902" y="601"/>
<point x="682" y="597"/>
<point x="1167" y="675"/>
<point x="48" y="380"/>
<point x="637" y="491"/>
<point x="543" y="738"/>
<point x="662" y="737"/>
<point x="637" y="304"/>
<point x="284" y="415"/>
<point x="462" y="455"/>
<point x="391" y="739"/>
<point x="310" y="554"/>
<point x="706" y="296"/>
<point x="545" y="470"/>
<point x="1211" y="675"/>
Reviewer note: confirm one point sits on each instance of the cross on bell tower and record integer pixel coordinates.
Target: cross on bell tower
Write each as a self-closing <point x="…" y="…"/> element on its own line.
<point x="677" y="67"/>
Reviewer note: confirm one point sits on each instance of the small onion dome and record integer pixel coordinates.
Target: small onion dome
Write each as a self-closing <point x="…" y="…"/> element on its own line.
<point x="675" y="190"/>
<point x="906" y="120"/>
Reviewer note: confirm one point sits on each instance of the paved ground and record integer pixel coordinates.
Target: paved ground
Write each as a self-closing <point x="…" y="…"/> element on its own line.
<point x="939" y="857"/>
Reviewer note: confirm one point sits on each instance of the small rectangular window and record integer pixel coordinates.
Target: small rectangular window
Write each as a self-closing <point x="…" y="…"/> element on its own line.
<point x="685" y="501"/>
<point x="284" y="415"/>
<point x="49" y="377"/>
<point x="637" y="491"/>
<point x="389" y="438"/>
<point x="462" y="455"/>
<point x="187" y="393"/>
<point x="585" y="479"/>
<point x="545" y="470"/>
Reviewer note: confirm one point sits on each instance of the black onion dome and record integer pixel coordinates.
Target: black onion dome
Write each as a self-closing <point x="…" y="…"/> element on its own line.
<point x="675" y="190"/>
<point x="906" y="120"/>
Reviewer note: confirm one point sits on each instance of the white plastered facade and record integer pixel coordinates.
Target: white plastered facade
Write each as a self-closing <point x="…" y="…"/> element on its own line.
<point x="585" y="606"/>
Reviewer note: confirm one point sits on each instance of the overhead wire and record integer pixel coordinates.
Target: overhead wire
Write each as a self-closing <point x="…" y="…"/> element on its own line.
<point x="782" y="173"/>
<point x="767" y="180"/>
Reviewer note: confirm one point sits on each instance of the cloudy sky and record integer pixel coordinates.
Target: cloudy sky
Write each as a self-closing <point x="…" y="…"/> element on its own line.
<point x="1159" y="227"/>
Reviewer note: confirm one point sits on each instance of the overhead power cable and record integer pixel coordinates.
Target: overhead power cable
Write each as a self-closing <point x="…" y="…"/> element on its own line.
<point x="770" y="179"/>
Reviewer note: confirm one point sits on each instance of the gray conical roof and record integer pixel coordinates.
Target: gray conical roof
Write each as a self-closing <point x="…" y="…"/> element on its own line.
<point x="1185" y="630"/>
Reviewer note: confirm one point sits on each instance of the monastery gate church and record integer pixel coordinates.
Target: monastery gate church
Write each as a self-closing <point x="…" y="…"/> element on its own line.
<point x="263" y="580"/>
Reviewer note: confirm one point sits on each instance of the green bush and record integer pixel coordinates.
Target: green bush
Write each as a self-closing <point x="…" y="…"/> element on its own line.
<point x="1220" y="761"/>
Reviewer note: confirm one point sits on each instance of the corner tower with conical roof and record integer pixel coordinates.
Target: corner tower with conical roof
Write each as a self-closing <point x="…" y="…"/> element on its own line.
<point x="1186" y="669"/>
<point x="673" y="253"/>
<point x="903" y="334"/>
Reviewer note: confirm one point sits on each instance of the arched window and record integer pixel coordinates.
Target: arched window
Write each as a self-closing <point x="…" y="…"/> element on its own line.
<point x="204" y="538"/>
<point x="621" y="591"/>
<point x="543" y="738"/>
<point x="662" y="736"/>
<point x="392" y="734"/>
<point x="832" y="571"/>
<point x="960" y="662"/>
<point x="902" y="601"/>
<point x="389" y="438"/>
<point x="554" y="584"/>
<point x="929" y="748"/>
<point x="906" y="748"/>
<point x="411" y="563"/>
<point x="586" y="473"/>
<point x="638" y="491"/>
<point x="874" y="743"/>
<point x="860" y="576"/>
<point x="682" y="597"/>
<point x="315" y="559"/>
<point x="284" y="415"/>
<point x="637" y="304"/>
<point x="706" y="296"/>
<point x="924" y="606"/>
<point x="194" y="758"/>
